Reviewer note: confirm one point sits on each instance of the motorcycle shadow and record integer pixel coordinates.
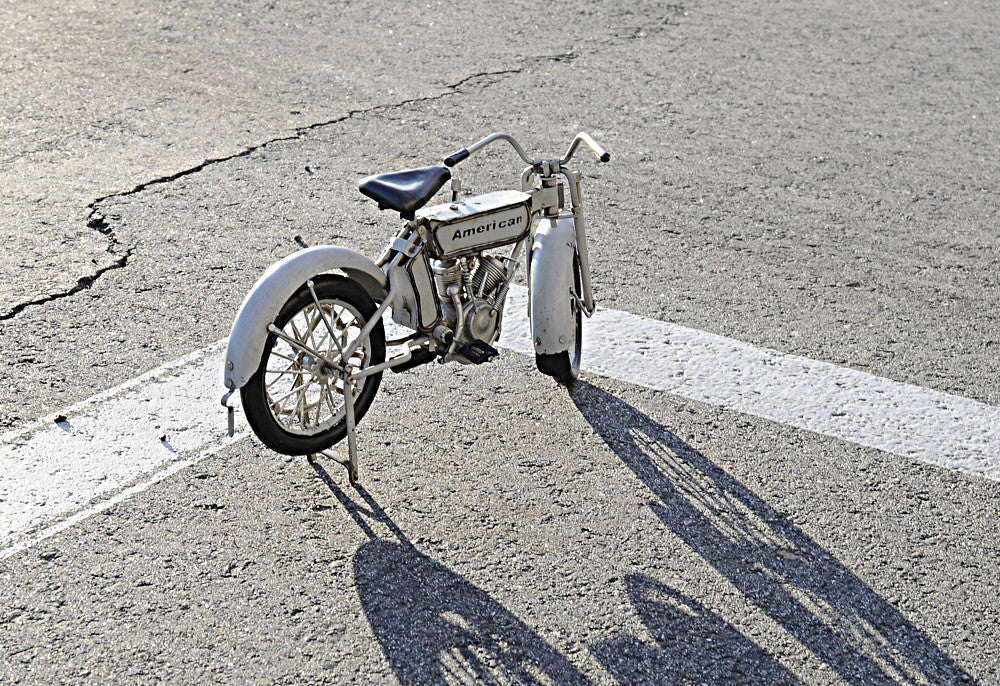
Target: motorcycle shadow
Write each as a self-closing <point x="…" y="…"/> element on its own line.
<point x="691" y="644"/>
<point x="434" y="626"/>
<point x="773" y="563"/>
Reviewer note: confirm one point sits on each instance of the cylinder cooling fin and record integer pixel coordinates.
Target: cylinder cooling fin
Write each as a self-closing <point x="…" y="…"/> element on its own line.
<point x="490" y="272"/>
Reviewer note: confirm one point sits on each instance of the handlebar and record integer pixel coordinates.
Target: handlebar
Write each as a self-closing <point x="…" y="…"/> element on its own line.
<point x="601" y="153"/>
<point x="456" y="157"/>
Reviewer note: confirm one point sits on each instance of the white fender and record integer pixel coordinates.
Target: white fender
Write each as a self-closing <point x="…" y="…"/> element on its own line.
<point x="275" y="287"/>
<point x="550" y="282"/>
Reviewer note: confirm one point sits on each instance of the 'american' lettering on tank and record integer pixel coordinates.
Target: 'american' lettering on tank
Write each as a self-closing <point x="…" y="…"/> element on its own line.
<point x="489" y="226"/>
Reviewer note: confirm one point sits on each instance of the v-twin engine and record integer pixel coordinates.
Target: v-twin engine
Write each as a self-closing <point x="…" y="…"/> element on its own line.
<point x="472" y="290"/>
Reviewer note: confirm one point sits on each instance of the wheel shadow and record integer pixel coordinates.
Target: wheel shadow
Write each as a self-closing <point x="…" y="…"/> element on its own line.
<point x="434" y="626"/>
<point x="774" y="564"/>
<point x="691" y="644"/>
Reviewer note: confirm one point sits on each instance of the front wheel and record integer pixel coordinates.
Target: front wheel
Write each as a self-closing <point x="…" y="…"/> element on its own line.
<point x="564" y="367"/>
<point x="295" y="401"/>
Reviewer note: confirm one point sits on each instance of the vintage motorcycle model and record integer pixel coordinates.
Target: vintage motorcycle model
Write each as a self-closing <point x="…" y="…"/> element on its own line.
<point x="308" y="347"/>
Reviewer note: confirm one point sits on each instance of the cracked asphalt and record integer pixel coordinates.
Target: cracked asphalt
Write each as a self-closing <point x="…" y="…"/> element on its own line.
<point x="807" y="177"/>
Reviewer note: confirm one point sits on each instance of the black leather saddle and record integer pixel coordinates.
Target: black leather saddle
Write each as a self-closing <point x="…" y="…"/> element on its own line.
<point x="405" y="191"/>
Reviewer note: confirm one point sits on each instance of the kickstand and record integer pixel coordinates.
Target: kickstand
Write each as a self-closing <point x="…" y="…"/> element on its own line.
<point x="351" y="463"/>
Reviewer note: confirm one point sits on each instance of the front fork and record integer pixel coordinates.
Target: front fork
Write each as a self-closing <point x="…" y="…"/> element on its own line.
<point x="551" y="208"/>
<point x="576" y="201"/>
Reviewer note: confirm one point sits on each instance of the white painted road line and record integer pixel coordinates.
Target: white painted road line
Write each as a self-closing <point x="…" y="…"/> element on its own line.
<point x="123" y="440"/>
<point x="129" y="436"/>
<point x="903" y="419"/>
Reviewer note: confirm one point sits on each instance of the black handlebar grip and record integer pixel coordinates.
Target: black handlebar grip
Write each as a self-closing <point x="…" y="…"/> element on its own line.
<point x="455" y="158"/>
<point x="605" y="157"/>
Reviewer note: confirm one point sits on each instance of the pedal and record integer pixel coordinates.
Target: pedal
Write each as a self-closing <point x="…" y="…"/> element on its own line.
<point x="477" y="351"/>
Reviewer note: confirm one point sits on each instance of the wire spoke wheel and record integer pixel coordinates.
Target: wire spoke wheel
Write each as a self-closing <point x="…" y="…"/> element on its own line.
<point x="296" y="402"/>
<point x="307" y="395"/>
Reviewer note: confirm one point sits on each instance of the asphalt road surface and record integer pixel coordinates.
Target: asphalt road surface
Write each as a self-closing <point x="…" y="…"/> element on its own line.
<point x="804" y="177"/>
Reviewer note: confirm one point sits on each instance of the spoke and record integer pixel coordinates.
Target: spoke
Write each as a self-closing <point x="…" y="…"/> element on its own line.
<point x="301" y="406"/>
<point x="277" y="401"/>
<point x="318" y="408"/>
<point x="282" y="373"/>
<point x="321" y="340"/>
<point x="299" y="412"/>
<point x="313" y="326"/>
<point x="319" y="403"/>
<point x="293" y="360"/>
<point x="330" y="401"/>
<point x="293" y="367"/>
<point x="324" y="396"/>
<point x="322" y="314"/>
<point x="295" y="330"/>
<point x="286" y="370"/>
<point x="298" y="344"/>
<point x="311" y="417"/>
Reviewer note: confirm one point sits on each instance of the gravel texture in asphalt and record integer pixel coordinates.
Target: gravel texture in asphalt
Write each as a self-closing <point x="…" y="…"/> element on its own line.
<point x="807" y="177"/>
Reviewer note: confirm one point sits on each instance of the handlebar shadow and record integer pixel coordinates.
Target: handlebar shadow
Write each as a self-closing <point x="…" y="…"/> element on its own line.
<point x="691" y="644"/>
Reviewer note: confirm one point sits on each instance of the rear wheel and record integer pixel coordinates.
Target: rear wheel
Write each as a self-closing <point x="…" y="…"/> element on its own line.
<point x="295" y="401"/>
<point x="564" y="367"/>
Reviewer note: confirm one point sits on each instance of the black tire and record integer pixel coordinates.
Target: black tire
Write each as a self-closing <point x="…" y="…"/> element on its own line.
<point x="564" y="367"/>
<point x="286" y="371"/>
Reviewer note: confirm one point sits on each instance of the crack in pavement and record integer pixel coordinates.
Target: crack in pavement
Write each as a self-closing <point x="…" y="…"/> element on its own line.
<point x="299" y="132"/>
<point x="83" y="283"/>
<point x="96" y="220"/>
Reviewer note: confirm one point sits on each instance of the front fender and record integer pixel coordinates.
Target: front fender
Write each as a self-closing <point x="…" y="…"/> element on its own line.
<point x="550" y="283"/>
<point x="281" y="280"/>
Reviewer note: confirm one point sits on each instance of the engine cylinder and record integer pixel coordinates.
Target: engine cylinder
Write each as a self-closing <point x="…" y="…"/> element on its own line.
<point x="446" y="273"/>
<point x="490" y="272"/>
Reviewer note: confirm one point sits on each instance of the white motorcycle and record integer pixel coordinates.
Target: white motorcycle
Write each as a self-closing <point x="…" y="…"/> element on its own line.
<point x="308" y="347"/>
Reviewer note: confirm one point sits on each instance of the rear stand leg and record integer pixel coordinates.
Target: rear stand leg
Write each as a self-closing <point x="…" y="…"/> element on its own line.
<point x="351" y="463"/>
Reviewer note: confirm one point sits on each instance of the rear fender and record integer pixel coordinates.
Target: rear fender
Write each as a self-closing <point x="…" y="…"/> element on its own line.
<point x="275" y="287"/>
<point x="550" y="283"/>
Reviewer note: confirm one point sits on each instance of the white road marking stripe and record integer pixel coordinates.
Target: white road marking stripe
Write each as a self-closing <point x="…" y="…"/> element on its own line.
<point x="906" y="420"/>
<point x="133" y="434"/>
<point x="123" y="440"/>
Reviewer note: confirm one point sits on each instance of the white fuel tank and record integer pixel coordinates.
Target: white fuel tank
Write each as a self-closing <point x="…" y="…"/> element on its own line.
<point x="484" y="221"/>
